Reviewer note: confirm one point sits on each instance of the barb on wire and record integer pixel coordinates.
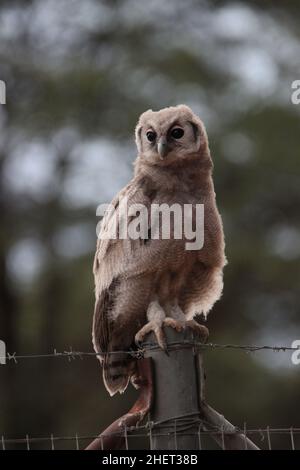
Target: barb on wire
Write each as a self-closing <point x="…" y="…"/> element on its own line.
<point x="70" y="355"/>
<point x="140" y="352"/>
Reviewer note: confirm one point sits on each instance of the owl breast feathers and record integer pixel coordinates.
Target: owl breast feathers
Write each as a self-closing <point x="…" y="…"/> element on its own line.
<point x="145" y="283"/>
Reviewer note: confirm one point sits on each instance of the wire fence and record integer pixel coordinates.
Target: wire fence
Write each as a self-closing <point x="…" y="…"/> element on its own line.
<point x="140" y="352"/>
<point x="267" y="437"/>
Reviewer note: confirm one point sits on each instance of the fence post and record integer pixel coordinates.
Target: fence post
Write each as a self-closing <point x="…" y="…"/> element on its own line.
<point x="176" y="393"/>
<point x="179" y="399"/>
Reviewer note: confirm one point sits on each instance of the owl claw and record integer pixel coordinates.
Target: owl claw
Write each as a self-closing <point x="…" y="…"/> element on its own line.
<point x="200" y="330"/>
<point x="179" y="325"/>
<point x="138" y="344"/>
<point x="176" y="324"/>
<point x="157" y="329"/>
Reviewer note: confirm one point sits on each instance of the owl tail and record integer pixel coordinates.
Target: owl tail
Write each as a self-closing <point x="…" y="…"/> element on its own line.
<point x="117" y="371"/>
<point x="118" y="367"/>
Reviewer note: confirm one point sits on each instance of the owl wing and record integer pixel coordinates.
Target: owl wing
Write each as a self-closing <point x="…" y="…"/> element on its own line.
<point x="115" y="255"/>
<point x="123" y="271"/>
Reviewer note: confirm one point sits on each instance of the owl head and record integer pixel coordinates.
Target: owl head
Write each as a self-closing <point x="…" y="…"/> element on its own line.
<point x="171" y="135"/>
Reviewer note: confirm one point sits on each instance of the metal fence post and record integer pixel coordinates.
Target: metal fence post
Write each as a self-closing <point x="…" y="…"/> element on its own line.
<point x="179" y="399"/>
<point x="176" y="393"/>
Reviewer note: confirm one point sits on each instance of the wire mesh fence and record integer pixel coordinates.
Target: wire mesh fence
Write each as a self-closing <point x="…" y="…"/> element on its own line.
<point x="267" y="438"/>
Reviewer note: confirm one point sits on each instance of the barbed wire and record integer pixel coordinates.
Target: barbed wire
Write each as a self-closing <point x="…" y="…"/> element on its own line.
<point x="140" y="352"/>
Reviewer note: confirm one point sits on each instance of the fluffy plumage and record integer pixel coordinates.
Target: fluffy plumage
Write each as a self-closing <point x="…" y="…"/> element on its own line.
<point x="142" y="285"/>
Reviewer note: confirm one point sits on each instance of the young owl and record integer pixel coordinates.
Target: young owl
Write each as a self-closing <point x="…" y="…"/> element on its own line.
<point x="147" y="283"/>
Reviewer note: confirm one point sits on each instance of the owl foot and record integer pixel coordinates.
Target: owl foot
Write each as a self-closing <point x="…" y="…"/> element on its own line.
<point x="178" y="325"/>
<point x="199" y="330"/>
<point x="176" y="313"/>
<point x="156" y="328"/>
<point x="156" y="318"/>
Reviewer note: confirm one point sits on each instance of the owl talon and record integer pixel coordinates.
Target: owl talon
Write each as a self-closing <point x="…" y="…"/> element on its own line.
<point x="200" y="330"/>
<point x="152" y="326"/>
<point x="176" y="324"/>
<point x="157" y="329"/>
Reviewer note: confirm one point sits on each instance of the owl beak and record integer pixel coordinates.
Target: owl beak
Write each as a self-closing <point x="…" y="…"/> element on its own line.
<point x="162" y="147"/>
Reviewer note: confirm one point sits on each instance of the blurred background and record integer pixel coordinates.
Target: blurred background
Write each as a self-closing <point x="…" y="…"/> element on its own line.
<point x="78" y="74"/>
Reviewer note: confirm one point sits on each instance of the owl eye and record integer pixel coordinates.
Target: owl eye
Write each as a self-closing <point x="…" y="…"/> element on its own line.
<point x="151" y="136"/>
<point x="177" y="133"/>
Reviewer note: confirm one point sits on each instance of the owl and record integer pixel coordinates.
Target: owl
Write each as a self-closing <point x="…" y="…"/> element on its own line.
<point x="145" y="283"/>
